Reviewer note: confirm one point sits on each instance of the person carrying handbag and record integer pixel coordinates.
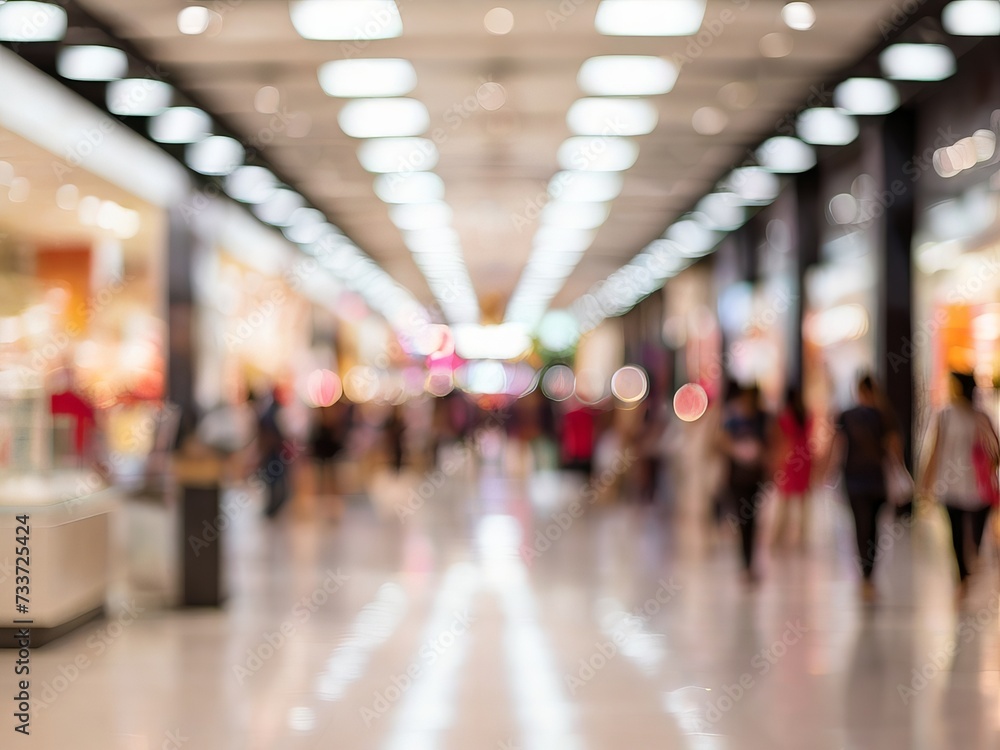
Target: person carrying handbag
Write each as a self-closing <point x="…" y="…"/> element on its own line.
<point x="961" y="470"/>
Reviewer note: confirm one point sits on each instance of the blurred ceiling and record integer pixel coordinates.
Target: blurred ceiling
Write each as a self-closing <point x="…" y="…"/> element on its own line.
<point x="495" y="164"/>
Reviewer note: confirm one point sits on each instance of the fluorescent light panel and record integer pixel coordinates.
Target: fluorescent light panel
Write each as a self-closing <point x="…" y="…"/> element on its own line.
<point x="367" y="78"/>
<point x="649" y="17"/>
<point x="346" y="20"/>
<point x="627" y="75"/>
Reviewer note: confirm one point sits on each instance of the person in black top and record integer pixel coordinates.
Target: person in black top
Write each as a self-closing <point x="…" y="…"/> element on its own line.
<point x="742" y="442"/>
<point x="865" y="435"/>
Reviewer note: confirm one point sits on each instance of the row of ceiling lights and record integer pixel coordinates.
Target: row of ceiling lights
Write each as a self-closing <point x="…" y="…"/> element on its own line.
<point x="699" y="232"/>
<point x="28" y="21"/>
<point x="390" y="124"/>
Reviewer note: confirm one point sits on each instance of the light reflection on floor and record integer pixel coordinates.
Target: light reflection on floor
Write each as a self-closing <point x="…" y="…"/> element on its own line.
<point x="698" y="662"/>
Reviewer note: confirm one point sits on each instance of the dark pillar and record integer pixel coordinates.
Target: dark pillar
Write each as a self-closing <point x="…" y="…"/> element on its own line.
<point x="896" y="292"/>
<point x="180" y="321"/>
<point x="808" y="215"/>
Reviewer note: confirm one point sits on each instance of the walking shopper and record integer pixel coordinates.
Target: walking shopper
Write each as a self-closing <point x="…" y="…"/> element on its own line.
<point x="866" y="436"/>
<point x="742" y="441"/>
<point x="793" y="467"/>
<point x="961" y="470"/>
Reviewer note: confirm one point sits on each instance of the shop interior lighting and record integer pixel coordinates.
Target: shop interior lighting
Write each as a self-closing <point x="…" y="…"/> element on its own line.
<point x="346" y="20"/>
<point x="215" y="155"/>
<point x="972" y="18"/>
<point x="585" y="186"/>
<point x="92" y="62"/>
<point x="597" y="153"/>
<point x="649" y="17"/>
<point x="367" y="77"/>
<point x="627" y="75"/>
<point x="409" y="187"/>
<point x="755" y="186"/>
<point x="278" y="209"/>
<point x="381" y="155"/>
<point x="798" y="16"/>
<point x="611" y="116"/>
<point x="917" y="62"/>
<point x="180" y="125"/>
<point x="826" y="126"/>
<point x="383" y="118"/>
<point x="693" y="239"/>
<point x="138" y="97"/>
<point x="417" y="216"/>
<point x="575" y="215"/>
<point x="251" y="184"/>
<point x="564" y="240"/>
<point x="195" y="19"/>
<point x="721" y="211"/>
<point x="866" y="96"/>
<point x="786" y="155"/>
<point x="26" y="21"/>
<point x="503" y="341"/>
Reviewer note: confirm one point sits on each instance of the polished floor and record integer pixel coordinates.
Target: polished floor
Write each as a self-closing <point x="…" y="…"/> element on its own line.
<point x="497" y="615"/>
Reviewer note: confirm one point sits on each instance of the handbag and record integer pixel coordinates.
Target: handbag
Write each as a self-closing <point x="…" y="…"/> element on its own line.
<point x="984" y="463"/>
<point x="898" y="482"/>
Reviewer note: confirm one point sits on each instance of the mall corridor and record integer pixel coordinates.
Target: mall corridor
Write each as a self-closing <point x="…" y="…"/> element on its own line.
<point x="626" y="630"/>
<point x="499" y="374"/>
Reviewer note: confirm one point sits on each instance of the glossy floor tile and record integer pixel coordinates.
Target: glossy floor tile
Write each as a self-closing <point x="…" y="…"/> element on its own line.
<point x="498" y="615"/>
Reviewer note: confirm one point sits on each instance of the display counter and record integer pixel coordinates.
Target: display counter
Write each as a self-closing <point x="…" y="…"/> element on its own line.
<point x="67" y="537"/>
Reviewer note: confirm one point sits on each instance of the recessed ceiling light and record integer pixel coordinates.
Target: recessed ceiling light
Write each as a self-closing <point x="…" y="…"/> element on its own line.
<point x="721" y="211"/>
<point x="499" y="21"/>
<point x="627" y="75"/>
<point x="28" y="21"/>
<point x="382" y="155"/>
<point x="267" y="100"/>
<point x="826" y="126"/>
<point x="798" y="16"/>
<point x="866" y="96"/>
<point x="491" y="96"/>
<point x="413" y="187"/>
<point x="575" y="215"/>
<point x="346" y="20"/>
<point x="776" y="45"/>
<point x="92" y="62"/>
<point x="754" y="185"/>
<point x="563" y="240"/>
<point x="180" y="125"/>
<point x="278" y="209"/>
<point x="138" y="97"/>
<point x="251" y="184"/>
<point x="585" y="186"/>
<point x="367" y="78"/>
<point x="786" y="155"/>
<point x="917" y="62"/>
<point x="412" y="217"/>
<point x="709" y="120"/>
<point x="597" y="154"/>
<point x="972" y="18"/>
<point x="215" y="155"/>
<point x="649" y="17"/>
<point x="693" y="239"/>
<point x="383" y="118"/>
<point x="195" y="19"/>
<point x="611" y="116"/>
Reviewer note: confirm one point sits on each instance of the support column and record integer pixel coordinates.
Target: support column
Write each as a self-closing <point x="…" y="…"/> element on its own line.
<point x="896" y="283"/>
